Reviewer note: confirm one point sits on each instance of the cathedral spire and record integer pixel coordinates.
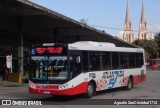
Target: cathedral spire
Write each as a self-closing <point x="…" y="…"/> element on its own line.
<point x="143" y="12"/>
<point x="143" y="17"/>
<point x="143" y="31"/>
<point x="128" y="24"/>
<point x="128" y="32"/>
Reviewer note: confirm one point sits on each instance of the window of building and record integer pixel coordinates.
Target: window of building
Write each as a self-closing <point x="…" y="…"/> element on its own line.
<point x="145" y="25"/>
<point x="145" y="37"/>
<point x="142" y="36"/>
<point x="129" y="37"/>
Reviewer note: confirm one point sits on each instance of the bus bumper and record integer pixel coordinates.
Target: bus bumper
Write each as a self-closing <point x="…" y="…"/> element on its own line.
<point x="80" y="89"/>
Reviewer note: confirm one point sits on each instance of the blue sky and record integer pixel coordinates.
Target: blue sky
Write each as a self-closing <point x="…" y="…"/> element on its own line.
<point x="107" y="13"/>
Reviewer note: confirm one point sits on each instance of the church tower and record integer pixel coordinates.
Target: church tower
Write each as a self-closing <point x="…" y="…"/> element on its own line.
<point x="128" y="35"/>
<point x="143" y="31"/>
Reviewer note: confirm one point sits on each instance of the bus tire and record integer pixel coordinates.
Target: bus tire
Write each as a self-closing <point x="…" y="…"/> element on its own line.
<point x="129" y="85"/>
<point x="56" y="96"/>
<point x="90" y="91"/>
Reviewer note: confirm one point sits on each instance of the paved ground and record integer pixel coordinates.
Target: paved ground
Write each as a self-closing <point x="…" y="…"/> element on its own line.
<point x="147" y="90"/>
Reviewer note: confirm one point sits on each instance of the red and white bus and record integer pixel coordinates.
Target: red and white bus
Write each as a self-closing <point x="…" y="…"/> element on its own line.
<point x="84" y="67"/>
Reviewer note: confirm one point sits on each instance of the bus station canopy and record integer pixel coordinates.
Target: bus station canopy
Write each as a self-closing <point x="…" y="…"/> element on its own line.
<point x="36" y="21"/>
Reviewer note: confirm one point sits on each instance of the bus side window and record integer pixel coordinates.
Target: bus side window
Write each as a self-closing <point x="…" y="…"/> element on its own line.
<point x="85" y="61"/>
<point x="106" y="64"/>
<point x="139" y="60"/>
<point x="115" y="60"/>
<point x="132" y="61"/>
<point x="124" y="60"/>
<point x="94" y="61"/>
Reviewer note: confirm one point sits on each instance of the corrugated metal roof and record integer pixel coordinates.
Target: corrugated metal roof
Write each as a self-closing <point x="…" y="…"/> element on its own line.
<point x="25" y="7"/>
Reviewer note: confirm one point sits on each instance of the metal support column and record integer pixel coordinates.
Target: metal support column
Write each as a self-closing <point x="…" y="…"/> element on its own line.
<point x="20" y="45"/>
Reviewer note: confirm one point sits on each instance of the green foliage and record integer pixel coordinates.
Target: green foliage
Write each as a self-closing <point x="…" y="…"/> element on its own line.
<point x="157" y="40"/>
<point x="150" y="46"/>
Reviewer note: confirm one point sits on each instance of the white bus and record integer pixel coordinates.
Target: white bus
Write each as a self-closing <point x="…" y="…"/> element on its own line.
<point x="84" y="67"/>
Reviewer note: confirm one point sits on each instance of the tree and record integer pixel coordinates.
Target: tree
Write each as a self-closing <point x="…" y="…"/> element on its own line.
<point x="84" y="21"/>
<point x="157" y="40"/>
<point x="151" y="48"/>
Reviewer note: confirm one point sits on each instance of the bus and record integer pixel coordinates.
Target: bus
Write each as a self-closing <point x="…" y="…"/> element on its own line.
<point x="84" y="67"/>
<point x="155" y="64"/>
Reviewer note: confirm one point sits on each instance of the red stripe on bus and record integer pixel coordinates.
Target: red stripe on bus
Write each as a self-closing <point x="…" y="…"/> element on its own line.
<point x="79" y="89"/>
<point x="139" y="79"/>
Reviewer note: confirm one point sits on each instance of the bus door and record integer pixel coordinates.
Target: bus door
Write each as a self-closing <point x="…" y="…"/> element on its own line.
<point x="75" y="63"/>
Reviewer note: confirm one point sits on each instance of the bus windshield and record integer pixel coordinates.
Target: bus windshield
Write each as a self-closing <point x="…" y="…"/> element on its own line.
<point x="48" y="68"/>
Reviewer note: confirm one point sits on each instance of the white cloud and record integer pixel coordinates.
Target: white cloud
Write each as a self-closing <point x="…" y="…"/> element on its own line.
<point x="119" y="34"/>
<point x="154" y="27"/>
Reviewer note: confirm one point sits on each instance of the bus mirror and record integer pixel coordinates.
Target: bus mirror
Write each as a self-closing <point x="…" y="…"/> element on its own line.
<point x="78" y="59"/>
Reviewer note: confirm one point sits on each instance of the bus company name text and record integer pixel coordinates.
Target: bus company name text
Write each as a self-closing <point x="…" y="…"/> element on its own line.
<point x="21" y="102"/>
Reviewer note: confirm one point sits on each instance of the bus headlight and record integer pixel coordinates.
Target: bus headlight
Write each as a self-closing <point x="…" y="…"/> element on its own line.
<point x="64" y="86"/>
<point x="32" y="85"/>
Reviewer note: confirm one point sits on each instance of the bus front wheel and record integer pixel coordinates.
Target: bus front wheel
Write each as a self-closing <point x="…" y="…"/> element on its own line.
<point x="90" y="91"/>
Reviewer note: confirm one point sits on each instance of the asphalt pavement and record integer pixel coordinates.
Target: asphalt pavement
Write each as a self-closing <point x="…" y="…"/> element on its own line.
<point x="150" y="89"/>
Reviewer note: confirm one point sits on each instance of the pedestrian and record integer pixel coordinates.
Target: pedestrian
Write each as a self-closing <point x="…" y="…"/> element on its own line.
<point x="6" y="72"/>
<point x="3" y="73"/>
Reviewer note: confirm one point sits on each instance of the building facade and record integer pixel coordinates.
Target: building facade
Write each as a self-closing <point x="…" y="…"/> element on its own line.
<point x="128" y="34"/>
<point x="143" y="30"/>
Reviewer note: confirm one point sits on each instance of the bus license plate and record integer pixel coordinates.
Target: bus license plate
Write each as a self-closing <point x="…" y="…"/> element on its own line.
<point x="46" y="92"/>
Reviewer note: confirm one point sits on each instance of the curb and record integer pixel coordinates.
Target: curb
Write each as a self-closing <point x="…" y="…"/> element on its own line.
<point x="11" y="84"/>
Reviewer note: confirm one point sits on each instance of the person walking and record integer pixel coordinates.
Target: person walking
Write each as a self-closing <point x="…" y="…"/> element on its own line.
<point x="6" y="72"/>
<point x="3" y="73"/>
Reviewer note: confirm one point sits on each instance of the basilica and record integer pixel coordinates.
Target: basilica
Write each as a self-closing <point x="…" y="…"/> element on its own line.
<point x="128" y="34"/>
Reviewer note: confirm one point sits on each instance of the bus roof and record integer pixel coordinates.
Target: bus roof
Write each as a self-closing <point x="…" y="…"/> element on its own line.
<point x="93" y="46"/>
<point x="95" y="43"/>
<point x="101" y="46"/>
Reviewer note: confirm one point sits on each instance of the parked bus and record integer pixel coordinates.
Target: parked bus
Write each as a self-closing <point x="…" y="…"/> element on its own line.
<point x="83" y="68"/>
<point x="155" y="64"/>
